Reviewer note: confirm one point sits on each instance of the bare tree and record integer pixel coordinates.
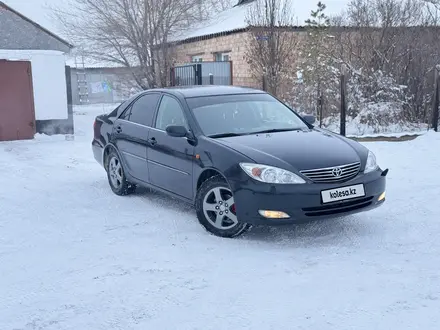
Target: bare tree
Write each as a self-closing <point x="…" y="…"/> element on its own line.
<point x="391" y="48"/>
<point x="433" y="12"/>
<point x="400" y="39"/>
<point x="272" y="44"/>
<point x="215" y="6"/>
<point x="131" y="33"/>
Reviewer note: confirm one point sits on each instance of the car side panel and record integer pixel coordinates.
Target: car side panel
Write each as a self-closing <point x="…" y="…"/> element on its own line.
<point x="215" y="156"/>
<point x="170" y="163"/>
<point x="131" y="141"/>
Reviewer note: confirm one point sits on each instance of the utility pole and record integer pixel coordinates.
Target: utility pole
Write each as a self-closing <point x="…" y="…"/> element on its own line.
<point x="343" y="100"/>
<point x="435" y="104"/>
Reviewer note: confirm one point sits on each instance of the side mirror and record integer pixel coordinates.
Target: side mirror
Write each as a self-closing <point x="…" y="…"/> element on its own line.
<point x="176" y="131"/>
<point x="309" y="119"/>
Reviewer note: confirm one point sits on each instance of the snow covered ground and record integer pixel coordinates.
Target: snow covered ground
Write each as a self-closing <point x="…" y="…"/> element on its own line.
<point x="355" y="128"/>
<point x="75" y="256"/>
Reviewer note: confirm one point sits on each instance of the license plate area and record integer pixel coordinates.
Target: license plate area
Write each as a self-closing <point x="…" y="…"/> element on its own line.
<point x="342" y="193"/>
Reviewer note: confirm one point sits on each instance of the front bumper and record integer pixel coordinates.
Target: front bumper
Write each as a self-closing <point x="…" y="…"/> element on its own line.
<point x="303" y="202"/>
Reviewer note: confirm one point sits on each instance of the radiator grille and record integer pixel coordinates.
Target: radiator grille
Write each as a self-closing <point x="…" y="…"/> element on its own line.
<point x="333" y="174"/>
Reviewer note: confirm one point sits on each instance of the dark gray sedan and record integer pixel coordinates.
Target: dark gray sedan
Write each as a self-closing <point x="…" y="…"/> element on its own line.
<point x="239" y="155"/>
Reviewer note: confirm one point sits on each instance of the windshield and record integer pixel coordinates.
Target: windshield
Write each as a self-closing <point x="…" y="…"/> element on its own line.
<point x="243" y="114"/>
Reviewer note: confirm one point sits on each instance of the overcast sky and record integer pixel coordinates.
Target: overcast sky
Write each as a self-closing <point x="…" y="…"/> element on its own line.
<point x="37" y="10"/>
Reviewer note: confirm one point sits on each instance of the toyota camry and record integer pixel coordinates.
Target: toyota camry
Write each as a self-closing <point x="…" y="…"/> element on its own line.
<point x="239" y="155"/>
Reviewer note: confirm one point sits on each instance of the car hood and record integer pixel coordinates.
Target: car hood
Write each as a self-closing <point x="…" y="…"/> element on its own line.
<point x="306" y="149"/>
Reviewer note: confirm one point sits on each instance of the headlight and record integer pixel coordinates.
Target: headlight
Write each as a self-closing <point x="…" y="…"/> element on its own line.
<point x="371" y="163"/>
<point x="270" y="174"/>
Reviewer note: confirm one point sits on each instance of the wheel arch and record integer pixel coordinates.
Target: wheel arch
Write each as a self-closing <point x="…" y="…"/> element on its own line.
<point x="107" y="149"/>
<point x="236" y="228"/>
<point x="206" y="174"/>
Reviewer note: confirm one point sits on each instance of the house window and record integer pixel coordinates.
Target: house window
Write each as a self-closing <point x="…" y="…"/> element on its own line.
<point x="222" y="57"/>
<point x="196" y="58"/>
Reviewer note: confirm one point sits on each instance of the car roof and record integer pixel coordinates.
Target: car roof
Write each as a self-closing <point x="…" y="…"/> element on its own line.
<point x="207" y="90"/>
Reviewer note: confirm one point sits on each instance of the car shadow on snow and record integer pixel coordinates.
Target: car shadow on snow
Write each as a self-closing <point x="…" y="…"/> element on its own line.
<point x="164" y="201"/>
<point x="346" y="229"/>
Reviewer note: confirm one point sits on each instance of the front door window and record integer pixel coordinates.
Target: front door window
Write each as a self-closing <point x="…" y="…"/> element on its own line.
<point x="170" y="113"/>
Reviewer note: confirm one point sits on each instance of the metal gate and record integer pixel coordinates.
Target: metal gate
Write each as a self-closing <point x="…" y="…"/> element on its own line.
<point x="202" y="73"/>
<point x="17" y="114"/>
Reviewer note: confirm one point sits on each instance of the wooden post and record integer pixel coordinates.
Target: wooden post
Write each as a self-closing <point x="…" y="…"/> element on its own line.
<point x="264" y="83"/>
<point x="172" y="77"/>
<point x="436" y="101"/>
<point x="198" y="74"/>
<point x="231" y="72"/>
<point x="343" y="101"/>
<point x="321" y="107"/>
<point x="319" y="104"/>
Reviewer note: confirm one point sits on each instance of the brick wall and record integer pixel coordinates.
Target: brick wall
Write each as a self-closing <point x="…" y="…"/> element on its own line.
<point x="235" y="44"/>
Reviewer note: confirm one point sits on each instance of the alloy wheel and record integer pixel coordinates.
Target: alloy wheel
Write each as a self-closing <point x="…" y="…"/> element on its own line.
<point x="219" y="208"/>
<point x="115" y="172"/>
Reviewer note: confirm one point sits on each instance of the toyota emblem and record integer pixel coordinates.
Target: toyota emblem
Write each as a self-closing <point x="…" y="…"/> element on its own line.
<point x="337" y="172"/>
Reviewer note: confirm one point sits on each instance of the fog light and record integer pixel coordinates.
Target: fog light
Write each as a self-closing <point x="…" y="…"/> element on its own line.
<point x="273" y="214"/>
<point x="381" y="197"/>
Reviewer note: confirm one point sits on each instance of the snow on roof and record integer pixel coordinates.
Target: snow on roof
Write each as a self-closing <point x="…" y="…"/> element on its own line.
<point x="228" y="20"/>
<point x="89" y="63"/>
<point x="81" y="59"/>
<point x="235" y="18"/>
<point x="36" y="10"/>
<point x="35" y="14"/>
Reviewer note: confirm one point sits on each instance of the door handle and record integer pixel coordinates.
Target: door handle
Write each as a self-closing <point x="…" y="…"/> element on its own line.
<point x="118" y="129"/>
<point x="152" y="141"/>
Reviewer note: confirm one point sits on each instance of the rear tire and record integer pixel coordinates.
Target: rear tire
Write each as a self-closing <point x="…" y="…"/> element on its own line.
<point x="215" y="209"/>
<point x="116" y="175"/>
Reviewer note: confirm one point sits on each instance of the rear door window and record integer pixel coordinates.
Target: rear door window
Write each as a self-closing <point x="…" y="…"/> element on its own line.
<point x="142" y="110"/>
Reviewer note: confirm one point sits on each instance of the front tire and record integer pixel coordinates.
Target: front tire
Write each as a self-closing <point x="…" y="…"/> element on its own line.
<point x="116" y="176"/>
<point x="215" y="207"/>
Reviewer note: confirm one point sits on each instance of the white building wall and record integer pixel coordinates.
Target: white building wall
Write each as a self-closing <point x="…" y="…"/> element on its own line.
<point x="48" y="79"/>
